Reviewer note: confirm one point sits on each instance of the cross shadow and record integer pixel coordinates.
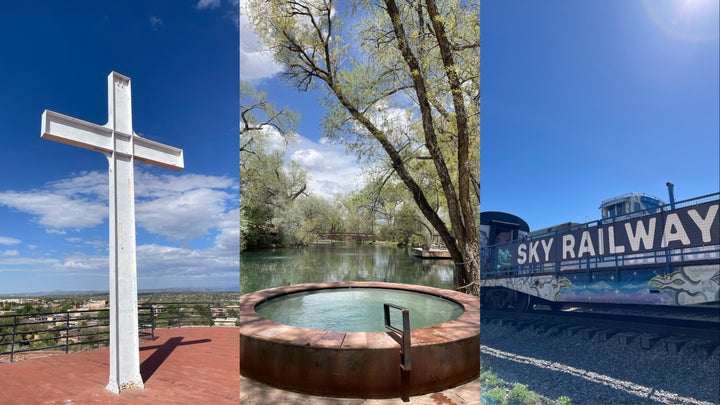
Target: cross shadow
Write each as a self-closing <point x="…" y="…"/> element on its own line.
<point x="162" y="352"/>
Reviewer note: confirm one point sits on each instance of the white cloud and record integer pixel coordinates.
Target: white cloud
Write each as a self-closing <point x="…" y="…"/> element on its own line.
<point x="158" y="262"/>
<point x="182" y="206"/>
<point x="76" y="202"/>
<point x="231" y="10"/>
<point x="179" y="207"/>
<point x="55" y="209"/>
<point x="207" y="4"/>
<point x="227" y="241"/>
<point x="310" y="158"/>
<point x="256" y="61"/>
<point x="85" y="263"/>
<point x="91" y="184"/>
<point x="156" y="23"/>
<point x="396" y="122"/>
<point x="5" y="240"/>
<point x="19" y="263"/>
<point x="184" y="215"/>
<point x="273" y="140"/>
<point x="185" y="206"/>
<point x="330" y="169"/>
<point x="154" y="186"/>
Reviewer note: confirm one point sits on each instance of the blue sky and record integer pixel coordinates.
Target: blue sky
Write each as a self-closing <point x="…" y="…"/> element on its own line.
<point x="586" y="100"/>
<point x="182" y="58"/>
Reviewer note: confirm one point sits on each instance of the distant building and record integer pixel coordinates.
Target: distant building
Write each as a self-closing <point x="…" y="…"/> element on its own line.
<point x="95" y="304"/>
<point x="18" y="301"/>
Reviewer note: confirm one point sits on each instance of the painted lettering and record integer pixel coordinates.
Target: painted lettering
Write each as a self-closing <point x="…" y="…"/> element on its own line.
<point x="522" y="256"/>
<point x="611" y="242"/>
<point x="586" y="245"/>
<point x="568" y="246"/>
<point x="704" y="223"/>
<point x="601" y="242"/>
<point x="673" y="231"/>
<point x="546" y="248"/>
<point x="641" y="235"/>
<point x="533" y="252"/>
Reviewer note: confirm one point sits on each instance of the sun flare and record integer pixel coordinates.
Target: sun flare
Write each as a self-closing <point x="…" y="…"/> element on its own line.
<point x="688" y="20"/>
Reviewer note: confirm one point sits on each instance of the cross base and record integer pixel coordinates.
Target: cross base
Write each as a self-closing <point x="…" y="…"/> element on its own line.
<point x="115" y="388"/>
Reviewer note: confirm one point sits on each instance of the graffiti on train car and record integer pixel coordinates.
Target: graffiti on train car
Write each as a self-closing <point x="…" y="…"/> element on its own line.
<point x="692" y="226"/>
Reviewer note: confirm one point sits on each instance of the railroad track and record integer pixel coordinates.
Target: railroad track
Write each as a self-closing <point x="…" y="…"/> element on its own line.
<point x="699" y="331"/>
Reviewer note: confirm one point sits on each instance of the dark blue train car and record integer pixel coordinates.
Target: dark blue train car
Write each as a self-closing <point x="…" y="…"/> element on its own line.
<point x="642" y="251"/>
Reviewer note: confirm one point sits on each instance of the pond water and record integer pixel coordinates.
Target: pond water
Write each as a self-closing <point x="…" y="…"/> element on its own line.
<point x="340" y="263"/>
<point x="357" y="309"/>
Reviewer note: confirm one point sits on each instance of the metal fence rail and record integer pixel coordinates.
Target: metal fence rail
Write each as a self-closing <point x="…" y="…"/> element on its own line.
<point x="85" y="329"/>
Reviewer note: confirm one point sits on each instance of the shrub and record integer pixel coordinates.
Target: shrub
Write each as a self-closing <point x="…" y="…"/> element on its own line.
<point x="490" y="380"/>
<point x="563" y="400"/>
<point x="520" y="395"/>
<point x="495" y="396"/>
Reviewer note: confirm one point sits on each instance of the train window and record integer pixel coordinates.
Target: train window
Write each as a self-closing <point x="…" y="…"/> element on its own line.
<point x="616" y="210"/>
<point x="652" y="204"/>
<point x="637" y="206"/>
<point x="503" y="236"/>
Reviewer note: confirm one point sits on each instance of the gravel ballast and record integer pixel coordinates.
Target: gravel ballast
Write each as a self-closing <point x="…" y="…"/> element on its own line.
<point x="600" y="372"/>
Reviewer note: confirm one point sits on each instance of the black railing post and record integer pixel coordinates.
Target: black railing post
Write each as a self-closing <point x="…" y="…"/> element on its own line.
<point x="12" y="342"/>
<point x="67" y="332"/>
<point x="152" y="321"/>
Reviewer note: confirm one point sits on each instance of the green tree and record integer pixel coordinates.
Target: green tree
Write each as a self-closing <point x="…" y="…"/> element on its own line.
<point x="402" y="85"/>
<point x="257" y="115"/>
<point x="306" y="217"/>
<point x="357" y="210"/>
<point x="204" y="312"/>
<point x="269" y="186"/>
<point x="395" y="217"/>
<point x="262" y="177"/>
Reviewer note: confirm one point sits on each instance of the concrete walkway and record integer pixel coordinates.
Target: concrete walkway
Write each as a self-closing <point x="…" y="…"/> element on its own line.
<point x="255" y="393"/>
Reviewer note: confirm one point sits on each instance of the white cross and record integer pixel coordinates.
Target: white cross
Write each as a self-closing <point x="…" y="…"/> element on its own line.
<point x="122" y="147"/>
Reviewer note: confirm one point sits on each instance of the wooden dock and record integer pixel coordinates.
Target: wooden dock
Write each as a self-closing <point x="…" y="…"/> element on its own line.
<point x="430" y="253"/>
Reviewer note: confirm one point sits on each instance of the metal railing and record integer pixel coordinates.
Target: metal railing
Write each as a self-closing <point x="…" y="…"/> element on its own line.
<point x="404" y="334"/>
<point x="86" y="329"/>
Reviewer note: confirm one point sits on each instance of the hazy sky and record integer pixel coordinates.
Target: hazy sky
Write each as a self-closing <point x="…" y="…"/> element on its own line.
<point x="182" y="58"/>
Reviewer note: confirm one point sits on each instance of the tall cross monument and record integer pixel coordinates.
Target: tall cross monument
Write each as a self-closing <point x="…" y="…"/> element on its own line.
<point x="123" y="147"/>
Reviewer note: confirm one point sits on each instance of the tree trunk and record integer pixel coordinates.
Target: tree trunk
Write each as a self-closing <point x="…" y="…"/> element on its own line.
<point x="464" y="239"/>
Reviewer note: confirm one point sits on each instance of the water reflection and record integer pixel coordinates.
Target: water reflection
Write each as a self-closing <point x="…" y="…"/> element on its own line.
<point x="340" y="262"/>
